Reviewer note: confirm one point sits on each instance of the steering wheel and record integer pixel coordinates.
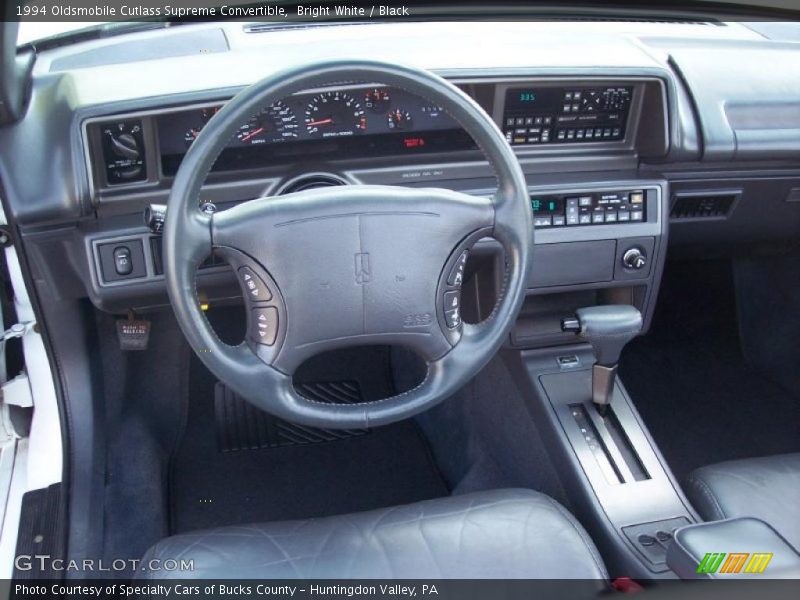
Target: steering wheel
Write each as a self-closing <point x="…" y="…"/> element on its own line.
<point x="353" y="265"/>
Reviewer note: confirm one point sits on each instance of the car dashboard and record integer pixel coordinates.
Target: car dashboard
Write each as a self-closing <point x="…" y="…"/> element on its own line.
<point x="633" y="136"/>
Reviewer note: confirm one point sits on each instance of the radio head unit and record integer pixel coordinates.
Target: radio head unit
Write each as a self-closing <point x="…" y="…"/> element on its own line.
<point x="541" y="114"/>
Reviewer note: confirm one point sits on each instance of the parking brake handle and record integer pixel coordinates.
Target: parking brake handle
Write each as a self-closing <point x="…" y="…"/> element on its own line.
<point x="607" y="329"/>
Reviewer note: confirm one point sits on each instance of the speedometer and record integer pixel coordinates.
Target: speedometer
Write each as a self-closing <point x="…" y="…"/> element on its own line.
<point x="276" y="123"/>
<point x="334" y="114"/>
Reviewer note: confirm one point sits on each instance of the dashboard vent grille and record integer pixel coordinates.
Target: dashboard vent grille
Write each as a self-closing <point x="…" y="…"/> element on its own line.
<point x="270" y="27"/>
<point x="665" y="20"/>
<point x="703" y="206"/>
<point x="310" y="182"/>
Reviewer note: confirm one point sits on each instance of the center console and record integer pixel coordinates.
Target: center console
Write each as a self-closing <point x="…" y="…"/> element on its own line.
<point x="622" y="490"/>
<point x="599" y="246"/>
<point x="594" y="245"/>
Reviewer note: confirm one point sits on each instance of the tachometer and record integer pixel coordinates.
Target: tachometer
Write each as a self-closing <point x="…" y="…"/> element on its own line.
<point x="276" y="123"/>
<point x="333" y="114"/>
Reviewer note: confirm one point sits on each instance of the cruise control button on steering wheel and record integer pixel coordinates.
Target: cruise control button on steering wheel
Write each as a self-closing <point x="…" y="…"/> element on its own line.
<point x="264" y="325"/>
<point x="452" y="308"/>
<point x="255" y="287"/>
<point x="456" y="276"/>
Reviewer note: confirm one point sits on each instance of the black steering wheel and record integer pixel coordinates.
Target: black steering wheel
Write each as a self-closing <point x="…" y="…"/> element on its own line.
<point x="352" y="265"/>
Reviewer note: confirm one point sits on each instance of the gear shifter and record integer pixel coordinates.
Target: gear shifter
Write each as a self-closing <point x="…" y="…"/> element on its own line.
<point x="607" y="329"/>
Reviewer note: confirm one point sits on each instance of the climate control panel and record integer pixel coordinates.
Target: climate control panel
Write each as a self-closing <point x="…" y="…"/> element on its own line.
<point x="546" y="114"/>
<point x="589" y="208"/>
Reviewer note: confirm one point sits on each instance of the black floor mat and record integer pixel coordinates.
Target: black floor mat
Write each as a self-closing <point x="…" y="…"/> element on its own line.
<point x="387" y="466"/>
<point x="242" y="426"/>
<point x="701" y="400"/>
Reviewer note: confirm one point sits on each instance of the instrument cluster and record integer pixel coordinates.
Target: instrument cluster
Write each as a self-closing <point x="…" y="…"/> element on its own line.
<point x="353" y="121"/>
<point x="326" y="114"/>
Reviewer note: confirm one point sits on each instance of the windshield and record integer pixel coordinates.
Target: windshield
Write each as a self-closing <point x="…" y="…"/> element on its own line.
<point x="34" y="28"/>
<point x="35" y="31"/>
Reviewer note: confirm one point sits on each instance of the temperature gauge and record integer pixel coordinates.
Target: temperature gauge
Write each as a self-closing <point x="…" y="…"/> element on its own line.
<point x="399" y="119"/>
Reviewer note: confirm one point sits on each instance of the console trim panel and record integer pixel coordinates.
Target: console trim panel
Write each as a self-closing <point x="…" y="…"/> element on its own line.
<point x="607" y="508"/>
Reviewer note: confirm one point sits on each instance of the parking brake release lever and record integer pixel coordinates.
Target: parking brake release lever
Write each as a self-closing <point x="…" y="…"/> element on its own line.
<point x="607" y="329"/>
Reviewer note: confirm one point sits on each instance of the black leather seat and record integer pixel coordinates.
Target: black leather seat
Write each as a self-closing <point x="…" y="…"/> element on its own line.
<point x="493" y="534"/>
<point x="767" y="488"/>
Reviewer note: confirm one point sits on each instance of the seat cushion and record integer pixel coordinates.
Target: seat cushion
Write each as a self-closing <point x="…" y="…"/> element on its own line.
<point x="767" y="488"/>
<point x="493" y="534"/>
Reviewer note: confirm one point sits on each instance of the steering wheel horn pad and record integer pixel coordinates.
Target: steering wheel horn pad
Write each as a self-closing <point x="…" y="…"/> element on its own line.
<point x="355" y="265"/>
<point x="364" y="265"/>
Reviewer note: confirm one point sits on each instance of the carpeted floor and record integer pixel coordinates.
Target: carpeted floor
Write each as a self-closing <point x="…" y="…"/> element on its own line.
<point x="700" y="398"/>
<point x="384" y="467"/>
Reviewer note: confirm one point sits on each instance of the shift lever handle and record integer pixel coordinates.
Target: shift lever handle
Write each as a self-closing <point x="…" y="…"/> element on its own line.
<point x="607" y="329"/>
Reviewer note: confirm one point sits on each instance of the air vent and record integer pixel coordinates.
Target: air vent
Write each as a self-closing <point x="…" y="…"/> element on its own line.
<point x="703" y="206"/>
<point x="310" y="182"/>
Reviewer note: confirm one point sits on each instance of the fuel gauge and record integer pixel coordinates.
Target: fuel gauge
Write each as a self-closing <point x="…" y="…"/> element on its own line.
<point x="377" y="99"/>
<point x="204" y="116"/>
